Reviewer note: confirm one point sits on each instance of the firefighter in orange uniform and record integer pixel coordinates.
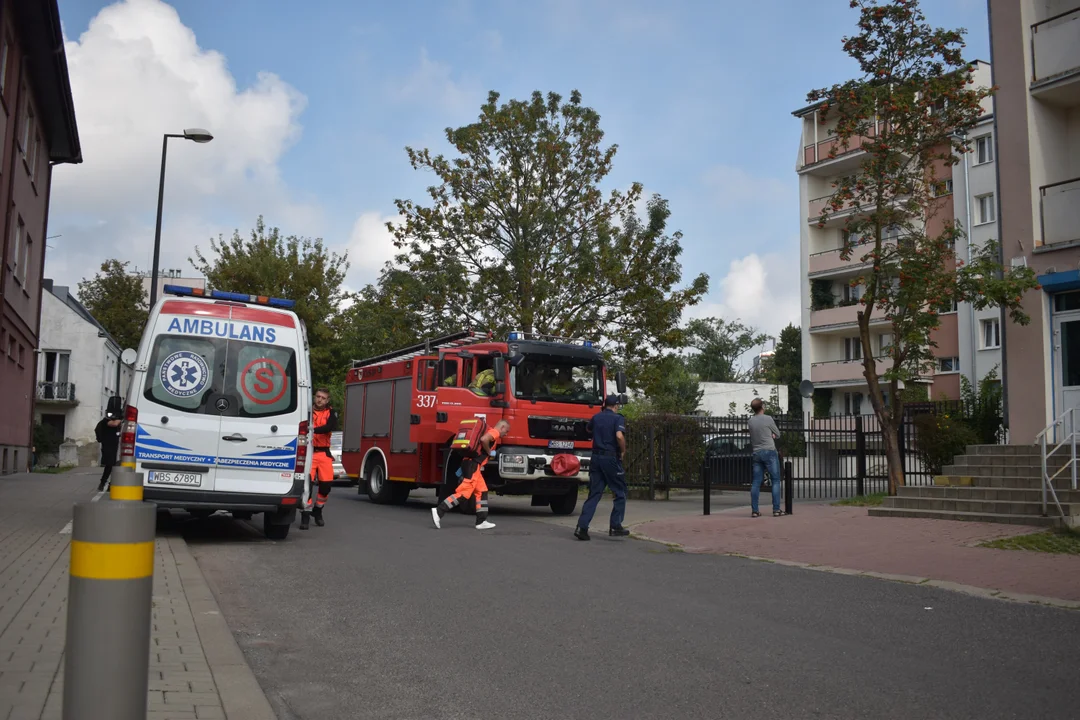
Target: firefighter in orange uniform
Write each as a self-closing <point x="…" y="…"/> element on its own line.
<point x="324" y="420"/>
<point x="474" y="485"/>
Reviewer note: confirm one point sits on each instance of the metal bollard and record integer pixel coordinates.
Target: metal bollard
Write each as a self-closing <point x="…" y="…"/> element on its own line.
<point x="789" y="486"/>
<point x="106" y="661"/>
<point x="706" y="481"/>
<point x="126" y="484"/>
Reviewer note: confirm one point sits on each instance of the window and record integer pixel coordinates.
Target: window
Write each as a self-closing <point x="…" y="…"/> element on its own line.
<point x="564" y="379"/>
<point x="851" y="294"/>
<point x="17" y="231"/>
<point x="22" y="351"/>
<point x="985" y="210"/>
<point x="425" y="377"/>
<point x="991" y="333"/>
<point x="11" y="347"/>
<point x="35" y="149"/>
<point x="5" y="53"/>
<point x="27" y="121"/>
<point x="948" y="364"/>
<point x="984" y="150"/>
<point x="885" y="342"/>
<point x="853" y="403"/>
<point x="24" y="262"/>
<point x="949" y="307"/>
<point x="852" y="348"/>
<point x="943" y="187"/>
<point x="1066" y="301"/>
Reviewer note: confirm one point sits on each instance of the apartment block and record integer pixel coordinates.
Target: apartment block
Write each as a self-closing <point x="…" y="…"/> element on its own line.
<point x="37" y="131"/>
<point x="1035" y="46"/>
<point x="832" y="353"/>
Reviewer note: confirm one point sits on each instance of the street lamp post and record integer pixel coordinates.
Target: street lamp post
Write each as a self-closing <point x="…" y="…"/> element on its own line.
<point x="196" y="135"/>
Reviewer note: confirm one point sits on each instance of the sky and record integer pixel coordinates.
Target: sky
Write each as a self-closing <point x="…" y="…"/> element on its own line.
<point x="312" y="104"/>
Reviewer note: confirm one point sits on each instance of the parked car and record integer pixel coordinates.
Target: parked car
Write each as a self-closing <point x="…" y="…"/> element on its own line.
<point x="728" y="461"/>
<point x="339" y="469"/>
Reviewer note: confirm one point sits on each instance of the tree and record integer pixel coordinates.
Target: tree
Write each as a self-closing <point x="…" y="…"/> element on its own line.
<point x="117" y="300"/>
<point x="909" y="112"/>
<point x="519" y="236"/>
<point x="671" y="388"/>
<point x="785" y="366"/>
<point x="299" y="269"/>
<point x="720" y="344"/>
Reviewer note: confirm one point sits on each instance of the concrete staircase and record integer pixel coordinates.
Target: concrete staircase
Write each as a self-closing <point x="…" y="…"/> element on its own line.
<point x="990" y="483"/>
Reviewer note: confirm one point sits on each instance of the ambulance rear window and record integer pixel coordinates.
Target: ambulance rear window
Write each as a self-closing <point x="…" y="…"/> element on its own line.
<point x="214" y="376"/>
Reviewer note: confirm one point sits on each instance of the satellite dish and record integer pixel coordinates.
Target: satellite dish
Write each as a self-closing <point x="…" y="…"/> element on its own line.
<point x="806" y="389"/>
<point x="128" y="356"/>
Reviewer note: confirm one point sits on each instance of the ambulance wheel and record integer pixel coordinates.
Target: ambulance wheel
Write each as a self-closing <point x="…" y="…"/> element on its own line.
<point x="564" y="504"/>
<point x="378" y="487"/>
<point x="276" y="525"/>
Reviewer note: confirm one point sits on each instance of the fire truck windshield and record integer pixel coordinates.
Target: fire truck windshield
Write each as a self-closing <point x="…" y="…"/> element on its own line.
<point x="558" y="379"/>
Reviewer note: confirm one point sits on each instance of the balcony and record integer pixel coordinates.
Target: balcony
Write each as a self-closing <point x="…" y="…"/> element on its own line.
<point x="817" y="159"/>
<point x="1055" y="59"/>
<point x="835" y="372"/>
<point x="841" y="318"/>
<point x="1059" y="210"/>
<point x="56" y="392"/>
<point x="829" y="262"/>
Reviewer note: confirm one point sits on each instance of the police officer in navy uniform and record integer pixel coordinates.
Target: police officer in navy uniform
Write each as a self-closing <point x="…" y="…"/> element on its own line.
<point x="608" y="430"/>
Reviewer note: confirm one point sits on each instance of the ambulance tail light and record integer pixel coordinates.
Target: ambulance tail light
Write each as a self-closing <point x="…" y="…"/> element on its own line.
<point x="127" y="436"/>
<point x="301" y="447"/>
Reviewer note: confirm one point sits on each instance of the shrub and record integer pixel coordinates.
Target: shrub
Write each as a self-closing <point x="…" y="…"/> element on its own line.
<point x="939" y="438"/>
<point x="686" y="445"/>
<point x="46" y="440"/>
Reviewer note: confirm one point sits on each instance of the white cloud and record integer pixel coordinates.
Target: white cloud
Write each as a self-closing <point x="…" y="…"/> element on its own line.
<point x="371" y="245"/>
<point x="760" y="291"/>
<point x="432" y="83"/>
<point x="137" y="72"/>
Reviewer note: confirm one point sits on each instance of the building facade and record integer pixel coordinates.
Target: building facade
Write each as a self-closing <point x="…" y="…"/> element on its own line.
<point x="1035" y="46"/>
<point x="37" y="130"/>
<point x="832" y="352"/>
<point x="169" y="277"/>
<point x="79" y="369"/>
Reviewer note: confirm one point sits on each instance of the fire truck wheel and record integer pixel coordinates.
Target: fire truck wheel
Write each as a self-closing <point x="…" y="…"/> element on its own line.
<point x="564" y="504"/>
<point x="378" y="488"/>
<point x="399" y="492"/>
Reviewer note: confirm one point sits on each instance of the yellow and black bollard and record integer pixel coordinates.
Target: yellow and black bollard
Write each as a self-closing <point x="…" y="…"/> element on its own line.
<point x="107" y="657"/>
<point x="126" y="484"/>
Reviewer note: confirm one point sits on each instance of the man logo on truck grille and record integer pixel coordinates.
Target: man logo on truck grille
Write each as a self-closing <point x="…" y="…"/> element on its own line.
<point x="184" y="374"/>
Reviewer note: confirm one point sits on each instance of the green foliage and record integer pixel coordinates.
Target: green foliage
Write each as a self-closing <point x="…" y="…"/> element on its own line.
<point x="915" y="392"/>
<point x="821" y="295"/>
<point x="670" y="387"/>
<point x="939" y="437"/>
<point x="983" y="406"/>
<point x="720" y="344"/>
<point x="785" y="366"/>
<point x="518" y="235"/>
<point x="299" y="269"/>
<point x="871" y="500"/>
<point x="117" y="301"/>
<point x="909" y="111"/>
<point x="822" y="402"/>
<point x="46" y="440"/>
<point x="686" y="445"/>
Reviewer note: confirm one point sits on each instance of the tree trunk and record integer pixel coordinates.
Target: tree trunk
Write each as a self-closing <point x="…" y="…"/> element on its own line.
<point x="892" y="456"/>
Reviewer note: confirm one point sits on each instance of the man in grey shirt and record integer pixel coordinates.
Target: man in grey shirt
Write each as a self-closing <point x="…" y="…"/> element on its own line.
<point x="763" y="434"/>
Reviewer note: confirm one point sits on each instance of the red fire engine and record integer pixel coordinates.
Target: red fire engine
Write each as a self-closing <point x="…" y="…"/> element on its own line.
<point x="403" y="408"/>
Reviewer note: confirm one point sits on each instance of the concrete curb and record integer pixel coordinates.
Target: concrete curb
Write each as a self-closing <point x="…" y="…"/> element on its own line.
<point x="242" y="698"/>
<point x="988" y="593"/>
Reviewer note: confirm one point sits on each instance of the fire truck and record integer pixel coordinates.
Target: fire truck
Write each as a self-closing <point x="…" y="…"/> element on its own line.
<point x="403" y="408"/>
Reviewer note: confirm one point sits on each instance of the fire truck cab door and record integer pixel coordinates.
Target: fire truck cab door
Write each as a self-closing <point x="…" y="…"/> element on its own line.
<point x="422" y="428"/>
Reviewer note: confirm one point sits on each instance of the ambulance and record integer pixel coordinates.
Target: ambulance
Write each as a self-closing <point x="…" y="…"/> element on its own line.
<point x="219" y="407"/>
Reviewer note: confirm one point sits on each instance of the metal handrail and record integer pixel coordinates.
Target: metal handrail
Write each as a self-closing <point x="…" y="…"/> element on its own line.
<point x="1070" y="440"/>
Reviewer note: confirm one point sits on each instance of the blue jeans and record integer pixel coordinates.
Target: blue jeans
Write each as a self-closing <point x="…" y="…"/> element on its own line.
<point x="765" y="461"/>
<point x="605" y="472"/>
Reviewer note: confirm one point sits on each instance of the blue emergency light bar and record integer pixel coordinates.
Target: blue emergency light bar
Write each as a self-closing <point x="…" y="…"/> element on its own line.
<point x="518" y="336"/>
<point x="236" y="297"/>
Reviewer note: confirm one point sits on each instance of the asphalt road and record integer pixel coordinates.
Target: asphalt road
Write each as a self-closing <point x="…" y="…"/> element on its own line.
<point x="379" y="615"/>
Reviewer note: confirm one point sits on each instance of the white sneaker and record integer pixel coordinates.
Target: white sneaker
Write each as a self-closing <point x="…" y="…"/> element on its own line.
<point x="486" y="525"/>
<point x="435" y="518"/>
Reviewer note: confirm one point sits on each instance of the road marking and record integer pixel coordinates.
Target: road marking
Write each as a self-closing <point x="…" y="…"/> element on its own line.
<point x="66" y="530"/>
<point x="97" y="496"/>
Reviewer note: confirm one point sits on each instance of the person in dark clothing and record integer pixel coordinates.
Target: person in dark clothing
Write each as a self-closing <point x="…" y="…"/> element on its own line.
<point x="108" y="434"/>
<point x="608" y="429"/>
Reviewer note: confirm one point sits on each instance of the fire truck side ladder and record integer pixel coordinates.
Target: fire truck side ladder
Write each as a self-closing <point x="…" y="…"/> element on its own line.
<point x="457" y="339"/>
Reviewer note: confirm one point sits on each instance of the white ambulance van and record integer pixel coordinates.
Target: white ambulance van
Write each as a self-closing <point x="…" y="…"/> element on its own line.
<point x="219" y="406"/>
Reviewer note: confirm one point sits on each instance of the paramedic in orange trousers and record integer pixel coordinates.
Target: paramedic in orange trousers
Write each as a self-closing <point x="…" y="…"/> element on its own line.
<point x="324" y="419"/>
<point x="474" y="485"/>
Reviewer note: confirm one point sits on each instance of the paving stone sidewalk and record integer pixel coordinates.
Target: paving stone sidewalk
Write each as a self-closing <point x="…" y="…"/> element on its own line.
<point x="196" y="669"/>
<point x="943" y="553"/>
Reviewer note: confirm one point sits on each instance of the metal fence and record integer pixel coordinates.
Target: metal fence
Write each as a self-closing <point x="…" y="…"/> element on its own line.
<point x="830" y="457"/>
